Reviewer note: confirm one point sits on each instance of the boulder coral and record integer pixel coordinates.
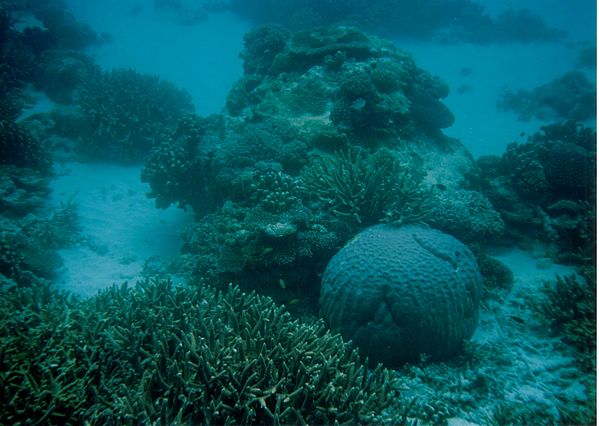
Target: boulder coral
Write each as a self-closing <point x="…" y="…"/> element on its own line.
<point x="399" y="293"/>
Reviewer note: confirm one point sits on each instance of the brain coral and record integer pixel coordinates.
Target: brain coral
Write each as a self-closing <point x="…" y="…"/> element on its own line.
<point x="401" y="292"/>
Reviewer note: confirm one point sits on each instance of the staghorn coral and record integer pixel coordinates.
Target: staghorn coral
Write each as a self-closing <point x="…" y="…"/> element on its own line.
<point x="12" y="261"/>
<point x="127" y="112"/>
<point x="160" y="353"/>
<point x="363" y="187"/>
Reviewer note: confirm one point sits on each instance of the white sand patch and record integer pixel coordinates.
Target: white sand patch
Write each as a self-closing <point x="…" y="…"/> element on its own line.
<point x="122" y="227"/>
<point x="516" y="364"/>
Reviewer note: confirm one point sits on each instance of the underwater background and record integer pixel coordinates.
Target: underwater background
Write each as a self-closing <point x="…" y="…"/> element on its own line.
<point x="298" y="212"/>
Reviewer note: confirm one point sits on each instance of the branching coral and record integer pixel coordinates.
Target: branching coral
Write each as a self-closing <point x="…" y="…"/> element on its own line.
<point x="174" y="176"/>
<point x="159" y="353"/>
<point x="127" y="112"/>
<point x="352" y="184"/>
<point x="545" y="188"/>
<point x="363" y="187"/>
<point x="22" y="190"/>
<point x="570" y="307"/>
<point x="18" y="147"/>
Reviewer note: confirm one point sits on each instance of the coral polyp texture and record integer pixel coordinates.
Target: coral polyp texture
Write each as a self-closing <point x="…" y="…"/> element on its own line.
<point x="399" y="293"/>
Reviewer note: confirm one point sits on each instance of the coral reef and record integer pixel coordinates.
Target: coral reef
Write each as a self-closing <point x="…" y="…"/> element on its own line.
<point x="62" y="30"/>
<point x="569" y="97"/>
<point x="23" y="50"/>
<point x="496" y="274"/>
<point x="181" y="168"/>
<point x="570" y="307"/>
<point x="262" y="44"/>
<point x="467" y="215"/>
<point x="19" y="148"/>
<point x="327" y="132"/>
<point x="544" y="189"/>
<point x="398" y="293"/>
<point x="365" y="188"/>
<point x="127" y="112"/>
<point x="342" y="77"/>
<point x="62" y="73"/>
<point x="171" y="177"/>
<point x="159" y="353"/>
<point x="22" y="190"/>
<point x="278" y="250"/>
<point x="32" y="234"/>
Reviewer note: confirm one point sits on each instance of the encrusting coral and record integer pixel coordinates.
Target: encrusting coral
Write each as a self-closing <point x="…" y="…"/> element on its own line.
<point x="156" y="353"/>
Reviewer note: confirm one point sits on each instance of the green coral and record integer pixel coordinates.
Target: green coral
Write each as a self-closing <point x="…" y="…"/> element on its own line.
<point x="274" y="191"/>
<point x="156" y="353"/>
<point x="467" y="215"/>
<point x="127" y="112"/>
<point x="366" y="86"/>
<point x="496" y="274"/>
<point x="18" y="147"/>
<point x="174" y="176"/>
<point x="22" y="190"/>
<point x="365" y="188"/>
<point x="570" y="307"/>
<point x="261" y="45"/>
